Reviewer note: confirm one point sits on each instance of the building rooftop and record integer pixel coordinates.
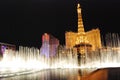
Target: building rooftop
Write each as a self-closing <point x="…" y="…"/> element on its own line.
<point x="1" y="43"/>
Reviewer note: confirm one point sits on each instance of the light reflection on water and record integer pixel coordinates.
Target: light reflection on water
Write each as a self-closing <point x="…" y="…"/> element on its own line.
<point x="53" y="74"/>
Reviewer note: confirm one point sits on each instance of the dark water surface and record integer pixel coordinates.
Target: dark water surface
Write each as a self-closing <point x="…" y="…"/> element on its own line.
<point x="70" y="74"/>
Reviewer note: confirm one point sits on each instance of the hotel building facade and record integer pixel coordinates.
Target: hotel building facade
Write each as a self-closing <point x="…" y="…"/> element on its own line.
<point x="49" y="45"/>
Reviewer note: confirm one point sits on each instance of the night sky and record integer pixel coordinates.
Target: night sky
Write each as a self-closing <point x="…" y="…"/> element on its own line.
<point x="22" y="22"/>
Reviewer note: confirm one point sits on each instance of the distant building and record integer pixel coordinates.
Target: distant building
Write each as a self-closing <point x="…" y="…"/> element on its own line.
<point x="94" y="38"/>
<point x="90" y="40"/>
<point x="6" y="46"/>
<point x="49" y="45"/>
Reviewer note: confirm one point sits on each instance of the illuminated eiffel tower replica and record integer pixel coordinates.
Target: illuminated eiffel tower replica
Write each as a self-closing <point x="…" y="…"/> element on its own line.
<point x="83" y="41"/>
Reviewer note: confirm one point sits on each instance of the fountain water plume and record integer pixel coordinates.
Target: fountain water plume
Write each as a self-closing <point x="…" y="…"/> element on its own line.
<point x="107" y="56"/>
<point x="28" y="60"/>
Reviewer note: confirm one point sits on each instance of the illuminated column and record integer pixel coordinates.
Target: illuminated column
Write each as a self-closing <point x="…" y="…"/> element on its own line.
<point x="80" y="22"/>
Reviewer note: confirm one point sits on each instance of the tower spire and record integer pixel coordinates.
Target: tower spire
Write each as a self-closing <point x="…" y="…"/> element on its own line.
<point x="80" y="22"/>
<point x="81" y="37"/>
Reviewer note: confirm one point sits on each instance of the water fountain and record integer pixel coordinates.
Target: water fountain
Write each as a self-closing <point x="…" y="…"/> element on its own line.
<point x="107" y="56"/>
<point x="28" y="60"/>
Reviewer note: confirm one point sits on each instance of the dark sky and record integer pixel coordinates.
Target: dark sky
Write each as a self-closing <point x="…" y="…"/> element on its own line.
<point x="23" y="22"/>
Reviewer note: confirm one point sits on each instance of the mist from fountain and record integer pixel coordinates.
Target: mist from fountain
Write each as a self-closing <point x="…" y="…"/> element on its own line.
<point x="107" y="56"/>
<point x="28" y="60"/>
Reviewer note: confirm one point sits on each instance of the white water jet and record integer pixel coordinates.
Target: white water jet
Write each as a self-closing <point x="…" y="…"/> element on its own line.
<point x="107" y="56"/>
<point x="28" y="60"/>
